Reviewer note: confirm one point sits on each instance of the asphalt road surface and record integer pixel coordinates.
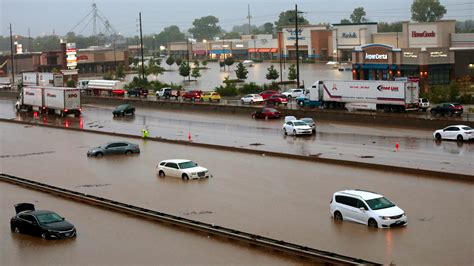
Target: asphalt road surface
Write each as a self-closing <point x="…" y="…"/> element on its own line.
<point x="280" y="198"/>
<point x="353" y="142"/>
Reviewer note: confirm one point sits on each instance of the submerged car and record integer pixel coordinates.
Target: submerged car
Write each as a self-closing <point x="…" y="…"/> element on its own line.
<point x="266" y="113"/>
<point x="456" y="132"/>
<point x="297" y="127"/>
<point x="184" y="169"/>
<point x="123" y="110"/>
<point x="367" y="208"/>
<point x="120" y="147"/>
<point x="310" y="122"/>
<point x="47" y="224"/>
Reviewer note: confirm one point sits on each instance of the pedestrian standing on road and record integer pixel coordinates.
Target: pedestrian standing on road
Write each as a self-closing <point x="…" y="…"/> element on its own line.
<point x="145" y="133"/>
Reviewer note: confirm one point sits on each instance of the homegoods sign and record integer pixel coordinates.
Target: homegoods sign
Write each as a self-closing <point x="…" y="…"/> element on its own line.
<point x="422" y="35"/>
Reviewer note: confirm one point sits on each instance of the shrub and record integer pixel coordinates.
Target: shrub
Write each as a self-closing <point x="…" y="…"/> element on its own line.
<point x="228" y="90"/>
<point x="250" y="88"/>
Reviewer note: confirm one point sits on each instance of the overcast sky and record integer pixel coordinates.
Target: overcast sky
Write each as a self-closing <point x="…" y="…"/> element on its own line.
<point x="60" y="16"/>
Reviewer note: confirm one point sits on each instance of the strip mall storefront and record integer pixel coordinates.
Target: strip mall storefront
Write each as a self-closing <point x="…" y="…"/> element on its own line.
<point x="432" y="66"/>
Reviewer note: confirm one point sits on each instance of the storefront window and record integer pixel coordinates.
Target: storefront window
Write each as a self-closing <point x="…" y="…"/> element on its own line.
<point x="438" y="76"/>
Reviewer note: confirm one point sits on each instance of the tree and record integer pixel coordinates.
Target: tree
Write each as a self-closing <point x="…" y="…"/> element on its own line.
<point x="205" y="28"/>
<point x="170" y="61"/>
<point x="427" y="10"/>
<point x="178" y="61"/>
<point x="184" y="69"/>
<point x="120" y="73"/>
<point x="231" y="35"/>
<point x="241" y="72"/>
<point x="229" y="61"/>
<point x="284" y="19"/>
<point x="272" y="73"/>
<point x="154" y="69"/>
<point x="195" y="73"/>
<point x="292" y="72"/>
<point x="204" y="63"/>
<point x="389" y="27"/>
<point x="358" y="15"/>
<point x="170" y="34"/>
<point x="345" y="21"/>
<point x="268" y="28"/>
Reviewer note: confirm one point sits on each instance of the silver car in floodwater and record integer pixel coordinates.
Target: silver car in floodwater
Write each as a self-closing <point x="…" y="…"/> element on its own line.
<point x="119" y="147"/>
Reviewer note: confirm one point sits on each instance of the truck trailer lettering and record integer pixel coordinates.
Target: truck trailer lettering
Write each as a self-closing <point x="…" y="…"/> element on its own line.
<point x="387" y="88"/>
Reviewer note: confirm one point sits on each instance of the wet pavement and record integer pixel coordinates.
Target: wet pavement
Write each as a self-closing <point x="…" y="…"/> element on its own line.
<point x="353" y="142"/>
<point x="280" y="198"/>
<point x="111" y="238"/>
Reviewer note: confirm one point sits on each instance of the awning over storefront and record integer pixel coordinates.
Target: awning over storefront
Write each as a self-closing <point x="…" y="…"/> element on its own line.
<point x="200" y="52"/>
<point x="220" y="51"/>
<point x="273" y="50"/>
<point x="252" y="50"/>
<point x="375" y="66"/>
<point x="264" y="50"/>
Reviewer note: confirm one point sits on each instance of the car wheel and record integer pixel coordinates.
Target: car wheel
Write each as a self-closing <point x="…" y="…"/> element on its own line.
<point x="251" y="101"/>
<point x="301" y="103"/>
<point x="438" y="136"/>
<point x="44" y="236"/>
<point x="185" y="177"/>
<point x="338" y="216"/>
<point x="253" y="116"/>
<point x="192" y="99"/>
<point x="99" y="154"/>
<point x="424" y="109"/>
<point x="450" y="114"/>
<point x="373" y="223"/>
<point x="242" y="102"/>
<point x="161" y="173"/>
<point x="129" y="152"/>
<point x="460" y="138"/>
<point x="266" y="117"/>
<point x="16" y="229"/>
<point x="284" y="131"/>
<point x="433" y="112"/>
<point x="294" y="132"/>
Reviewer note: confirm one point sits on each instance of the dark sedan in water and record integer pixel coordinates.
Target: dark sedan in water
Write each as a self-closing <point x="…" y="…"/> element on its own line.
<point x="123" y="110"/>
<point x="47" y="224"/>
<point x="120" y="147"/>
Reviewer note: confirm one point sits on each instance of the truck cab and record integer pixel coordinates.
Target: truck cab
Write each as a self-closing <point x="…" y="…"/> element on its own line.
<point x="313" y="95"/>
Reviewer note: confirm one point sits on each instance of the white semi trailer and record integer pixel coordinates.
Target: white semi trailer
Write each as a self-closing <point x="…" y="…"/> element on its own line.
<point x="362" y="94"/>
<point x="59" y="100"/>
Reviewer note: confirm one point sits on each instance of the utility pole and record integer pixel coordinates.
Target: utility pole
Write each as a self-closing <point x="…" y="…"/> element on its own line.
<point x="223" y="52"/>
<point x="29" y="41"/>
<point x="297" y="49"/>
<point x="141" y="45"/>
<point x="249" y="17"/>
<point x="187" y="55"/>
<point x="12" y="55"/>
<point x="280" y="46"/>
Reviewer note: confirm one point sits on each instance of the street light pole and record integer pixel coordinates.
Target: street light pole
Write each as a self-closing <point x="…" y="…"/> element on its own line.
<point x="153" y="47"/>
<point x="12" y="55"/>
<point x="297" y="49"/>
<point x="187" y="55"/>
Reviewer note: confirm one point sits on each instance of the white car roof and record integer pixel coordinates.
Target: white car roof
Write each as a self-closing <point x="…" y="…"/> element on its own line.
<point x="365" y="195"/>
<point x="175" y="161"/>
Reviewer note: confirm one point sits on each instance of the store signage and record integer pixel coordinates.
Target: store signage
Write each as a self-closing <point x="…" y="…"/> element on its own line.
<point x="424" y="34"/>
<point x="292" y="32"/>
<point x="438" y="54"/>
<point x="376" y="56"/>
<point x="410" y="55"/>
<point x="71" y="55"/>
<point x="82" y="58"/>
<point x="349" y="35"/>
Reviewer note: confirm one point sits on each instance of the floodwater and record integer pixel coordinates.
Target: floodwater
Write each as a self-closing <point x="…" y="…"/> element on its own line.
<point x="214" y="75"/>
<point x="279" y="198"/>
<point x="353" y="142"/>
<point x="111" y="238"/>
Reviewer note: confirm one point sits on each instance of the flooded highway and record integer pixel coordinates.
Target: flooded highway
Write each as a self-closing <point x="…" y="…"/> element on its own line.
<point x="275" y="197"/>
<point x="110" y="238"/>
<point x="353" y="142"/>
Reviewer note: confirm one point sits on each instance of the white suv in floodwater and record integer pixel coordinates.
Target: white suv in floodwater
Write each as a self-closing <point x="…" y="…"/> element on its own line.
<point x="366" y="207"/>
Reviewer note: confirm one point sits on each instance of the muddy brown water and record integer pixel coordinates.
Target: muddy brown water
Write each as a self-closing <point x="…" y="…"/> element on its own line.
<point x="279" y="198"/>
<point x="110" y="238"/>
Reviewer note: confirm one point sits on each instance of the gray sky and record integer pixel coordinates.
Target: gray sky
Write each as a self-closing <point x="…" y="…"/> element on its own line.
<point x="46" y="16"/>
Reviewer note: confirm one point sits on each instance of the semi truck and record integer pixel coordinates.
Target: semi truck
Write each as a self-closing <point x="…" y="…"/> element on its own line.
<point x="41" y="79"/>
<point x="390" y="96"/>
<point x="96" y="87"/>
<point x="59" y="100"/>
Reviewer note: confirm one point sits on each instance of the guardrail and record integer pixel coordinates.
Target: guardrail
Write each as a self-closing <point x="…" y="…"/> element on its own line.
<point x="315" y="255"/>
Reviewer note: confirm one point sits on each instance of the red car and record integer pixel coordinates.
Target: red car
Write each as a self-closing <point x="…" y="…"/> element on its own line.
<point x="267" y="93"/>
<point x="266" y="113"/>
<point x="192" y="95"/>
<point x="277" y="99"/>
<point x="118" y="92"/>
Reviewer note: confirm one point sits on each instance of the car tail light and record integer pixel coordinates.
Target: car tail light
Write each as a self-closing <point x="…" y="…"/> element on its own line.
<point x="65" y="110"/>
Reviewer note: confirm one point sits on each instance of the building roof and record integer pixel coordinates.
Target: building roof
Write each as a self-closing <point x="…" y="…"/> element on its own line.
<point x="352" y="24"/>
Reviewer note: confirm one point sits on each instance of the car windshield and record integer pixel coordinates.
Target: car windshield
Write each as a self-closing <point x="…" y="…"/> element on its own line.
<point x="379" y="203"/>
<point x="424" y="100"/>
<point x="272" y="110"/>
<point x="186" y="165"/>
<point x="121" y="107"/>
<point x="48" y="218"/>
<point x="300" y="123"/>
<point x="467" y="128"/>
<point x="307" y="120"/>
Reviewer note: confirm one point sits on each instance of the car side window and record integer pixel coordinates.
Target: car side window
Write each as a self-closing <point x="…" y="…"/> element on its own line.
<point x="162" y="163"/>
<point x="30" y="218"/>
<point x="342" y="199"/>
<point x="113" y="145"/>
<point x="172" y="165"/>
<point x="122" y="144"/>
<point x="455" y="129"/>
<point x="361" y="204"/>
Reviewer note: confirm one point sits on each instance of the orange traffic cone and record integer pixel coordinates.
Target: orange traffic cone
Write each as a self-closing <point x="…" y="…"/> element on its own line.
<point x="189" y="136"/>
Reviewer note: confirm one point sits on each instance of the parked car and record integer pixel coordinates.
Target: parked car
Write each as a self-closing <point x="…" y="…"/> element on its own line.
<point x="251" y="99"/>
<point x="293" y="93"/>
<point x="266" y="113"/>
<point x="423" y="104"/>
<point x="457" y="132"/>
<point x="289" y="118"/>
<point x="123" y="109"/>
<point x="44" y="223"/>
<point x="447" y="109"/>
<point x="167" y="93"/>
<point x="184" y="169"/>
<point x="137" y="92"/>
<point x="192" y="95"/>
<point x="267" y="93"/>
<point x="366" y="207"/>
<point x="118" y="92"/>
<point x="210" y="96"/>
<point x="297" y="127"/>
<point x="277" y="99"/>
<point x="119" y="147"/>
<point x="248" y="63"/>
<point x="310" y="122"/>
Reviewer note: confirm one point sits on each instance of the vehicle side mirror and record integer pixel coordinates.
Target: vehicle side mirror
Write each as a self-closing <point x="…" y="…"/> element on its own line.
<point x="362" y="209"/>
<point x="63" y="218"/>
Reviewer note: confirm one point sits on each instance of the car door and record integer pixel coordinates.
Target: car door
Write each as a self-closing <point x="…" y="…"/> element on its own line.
<point x="361" y="214"/>
<point x="448" y="133"/>
<point x="112" y="148"/>
<point x="172" y="169"/>
<point x="30" y="225"/>
<point x="120" y="148"/>
<point x="454" y="132"/>
<point x="348" y="208"/>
